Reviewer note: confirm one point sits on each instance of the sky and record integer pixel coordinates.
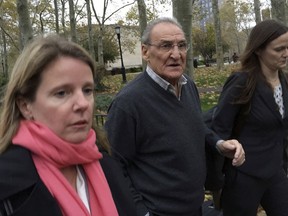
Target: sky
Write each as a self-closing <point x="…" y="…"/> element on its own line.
<point x="116" y="4"/>
<point x="165" y="10"/>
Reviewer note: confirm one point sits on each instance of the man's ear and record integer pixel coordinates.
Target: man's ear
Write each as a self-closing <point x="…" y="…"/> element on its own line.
<point x="145" y="52"/>
<point x="25" y="108"/>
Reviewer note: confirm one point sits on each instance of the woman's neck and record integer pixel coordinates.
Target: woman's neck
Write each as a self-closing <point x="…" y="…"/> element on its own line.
<point x="70" y="173"/>
<point x="272" y="77"/>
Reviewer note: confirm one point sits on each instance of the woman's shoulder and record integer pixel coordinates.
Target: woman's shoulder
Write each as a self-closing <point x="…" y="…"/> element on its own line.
<point x="236" y="79"/>
<point x="17" y="171"/>
<point x="239" y="75"/>
<point x="21" y="187"/>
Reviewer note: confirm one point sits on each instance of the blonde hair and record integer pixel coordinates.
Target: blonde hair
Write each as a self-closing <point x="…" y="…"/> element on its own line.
<point x="26" y="77"/>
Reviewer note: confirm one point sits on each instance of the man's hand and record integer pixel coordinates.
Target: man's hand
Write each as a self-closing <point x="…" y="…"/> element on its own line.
<point x="233" y="150"/>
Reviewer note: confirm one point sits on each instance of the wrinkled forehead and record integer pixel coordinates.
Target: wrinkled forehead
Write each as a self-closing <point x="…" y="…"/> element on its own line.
<point x="167" y="32"/>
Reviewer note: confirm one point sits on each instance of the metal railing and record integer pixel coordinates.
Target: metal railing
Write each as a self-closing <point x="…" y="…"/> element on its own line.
<point x="100" y="119"/>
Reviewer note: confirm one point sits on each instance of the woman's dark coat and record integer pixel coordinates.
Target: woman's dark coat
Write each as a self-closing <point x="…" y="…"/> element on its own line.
<point x="22" y="193"/>
<point x="262" y="135"/>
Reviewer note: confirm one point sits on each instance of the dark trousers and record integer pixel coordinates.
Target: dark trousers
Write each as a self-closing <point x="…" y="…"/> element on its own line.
<point x="242" y="194"/>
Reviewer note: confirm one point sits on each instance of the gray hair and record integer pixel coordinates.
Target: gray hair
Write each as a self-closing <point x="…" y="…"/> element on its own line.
<point x="147" y="32"/>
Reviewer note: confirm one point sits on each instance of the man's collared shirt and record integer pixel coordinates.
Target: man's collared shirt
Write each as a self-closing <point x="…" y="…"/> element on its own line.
<point x="166" y="85"/>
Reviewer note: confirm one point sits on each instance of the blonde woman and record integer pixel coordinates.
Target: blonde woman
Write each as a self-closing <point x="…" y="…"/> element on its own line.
<point x="49" y="163"/>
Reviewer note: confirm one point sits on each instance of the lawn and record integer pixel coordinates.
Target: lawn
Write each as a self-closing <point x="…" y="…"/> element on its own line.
<point x="206" y="78"/>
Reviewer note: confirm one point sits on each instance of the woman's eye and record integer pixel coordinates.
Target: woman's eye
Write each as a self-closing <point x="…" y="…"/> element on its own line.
<point x="61" y="93"/>
<point x="88" y="91"/>
<point x="279" y="49"/>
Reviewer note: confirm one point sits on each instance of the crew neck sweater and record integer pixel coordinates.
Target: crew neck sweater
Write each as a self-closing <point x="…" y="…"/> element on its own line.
<point x="160" y="141"/>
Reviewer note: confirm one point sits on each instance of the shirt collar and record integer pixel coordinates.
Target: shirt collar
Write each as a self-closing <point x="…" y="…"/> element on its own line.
<point x="163" y="83"/>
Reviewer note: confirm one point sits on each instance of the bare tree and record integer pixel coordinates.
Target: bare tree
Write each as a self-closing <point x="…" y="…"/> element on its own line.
<point x="257" y="11"/>
<point x="182" y="10"/>
<point x="101" y="22"/>
<point x="63" y="3"/>
<point x="25" y="26"/>
<point x="90" y="33"/>
<point x="142" y="20"/>
<point x="3" y="44"/>
<point x="279" y="10"/>
<point x="218" y="35"/>
<point x="4" y="59"/>
<point x="72" y="21"/>
<point x="56" y="16"/>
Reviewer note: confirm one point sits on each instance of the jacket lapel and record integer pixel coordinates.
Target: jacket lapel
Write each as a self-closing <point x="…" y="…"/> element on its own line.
<point x="267" y="97"/>
<point x="284" y="84"/>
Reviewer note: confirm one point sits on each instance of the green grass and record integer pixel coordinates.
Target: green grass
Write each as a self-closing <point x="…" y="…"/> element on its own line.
<point x="208" y="100"/>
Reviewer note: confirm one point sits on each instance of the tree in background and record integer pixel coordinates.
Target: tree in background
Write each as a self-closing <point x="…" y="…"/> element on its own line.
<point x="90" y="30"/>
<point x="204" y="41"/>
<point x="257" y="11"/>
<point x="25" y="26"/>
<point x="142" y="21"/>
<point x="72" y="21"/>
<point x="218" y="35"/>
<point x="278" y="9"/>
<point x="182" y="10"/>
<point x="56" y="12"/>
<point x="237" y="19"/>
<point x="101" y="20"/>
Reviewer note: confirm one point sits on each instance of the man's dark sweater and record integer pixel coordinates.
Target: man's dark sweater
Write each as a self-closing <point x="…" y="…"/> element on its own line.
<point x="160" y="141"/>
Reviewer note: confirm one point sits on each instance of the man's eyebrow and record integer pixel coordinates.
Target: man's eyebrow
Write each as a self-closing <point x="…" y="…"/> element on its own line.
<point x="172" y="41"/>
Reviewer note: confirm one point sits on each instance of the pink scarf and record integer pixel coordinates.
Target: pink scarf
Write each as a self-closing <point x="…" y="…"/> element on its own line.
<point x="50" y="153"/>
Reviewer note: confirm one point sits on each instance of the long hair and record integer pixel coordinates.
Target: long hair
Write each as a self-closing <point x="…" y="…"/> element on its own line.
<point x="26" y="78"/>
<point x="261" y="35"/>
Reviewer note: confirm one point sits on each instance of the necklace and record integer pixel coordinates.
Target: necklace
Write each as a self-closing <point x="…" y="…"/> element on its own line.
<point x="274" y="80"/>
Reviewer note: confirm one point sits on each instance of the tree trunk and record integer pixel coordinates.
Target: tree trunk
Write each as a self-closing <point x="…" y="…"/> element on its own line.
<point x="257" y="11"/>
<point x="41" y="22"/>
<point x="56" y="16"/>
<point x="72" y="21"/>
<point x="182" y="10"/>
<point x="218" y="35"/>
<point x="90" y="32"/>
<point x="25" y="27"/>
<point x="63" y="2"/>
<point x="4" y="56"/>
<point x="100" y="37"/>
<point x="278" y="8"/>
<point x="142" y="22"/>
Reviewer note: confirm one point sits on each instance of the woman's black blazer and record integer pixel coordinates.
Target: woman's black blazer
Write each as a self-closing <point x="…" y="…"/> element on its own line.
<point x="263" y="130"/>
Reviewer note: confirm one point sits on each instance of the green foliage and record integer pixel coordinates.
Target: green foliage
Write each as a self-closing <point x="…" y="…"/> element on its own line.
<point x="102" y="102"/>
<point x="204" y="41"/>
<point x="110" y="46"/>
<point x="132" y="16"/>
<point x="208" y="100"/>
